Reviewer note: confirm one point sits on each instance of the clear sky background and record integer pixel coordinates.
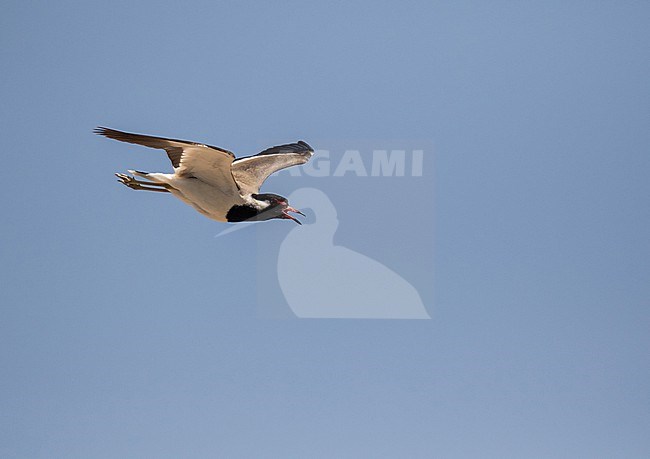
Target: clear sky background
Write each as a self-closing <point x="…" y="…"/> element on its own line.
<point x="128" y="330"/>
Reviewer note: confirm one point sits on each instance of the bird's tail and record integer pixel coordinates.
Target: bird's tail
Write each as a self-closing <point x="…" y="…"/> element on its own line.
<point x="139" y="173"/>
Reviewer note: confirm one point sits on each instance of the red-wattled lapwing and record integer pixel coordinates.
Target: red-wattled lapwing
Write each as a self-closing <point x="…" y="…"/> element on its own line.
<point x="212" y="181"/>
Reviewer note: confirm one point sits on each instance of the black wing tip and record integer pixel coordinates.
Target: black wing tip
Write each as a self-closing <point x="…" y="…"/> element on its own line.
<point x="108" y="132"/>
<point x="305" y="145"/>
<point x="299" y="147"/>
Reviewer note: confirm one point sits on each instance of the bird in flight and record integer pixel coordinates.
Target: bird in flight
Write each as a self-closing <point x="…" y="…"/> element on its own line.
<point x="213" y="181"/>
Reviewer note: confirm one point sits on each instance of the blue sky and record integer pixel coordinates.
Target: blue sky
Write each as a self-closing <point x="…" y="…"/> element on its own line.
<point x="128" y="330"/>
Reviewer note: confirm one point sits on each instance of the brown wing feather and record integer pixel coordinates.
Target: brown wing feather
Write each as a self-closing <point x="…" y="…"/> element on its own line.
<point x="251" y="171"/>
<point x="173" y="147"/>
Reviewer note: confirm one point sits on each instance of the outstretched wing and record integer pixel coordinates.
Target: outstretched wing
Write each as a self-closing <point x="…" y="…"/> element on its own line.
<point x="173" y="147"/>
<point x="190" y="159"/>
<point x="251" y="171"/>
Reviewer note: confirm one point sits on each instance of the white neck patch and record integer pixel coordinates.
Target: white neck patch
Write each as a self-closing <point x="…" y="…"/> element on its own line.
<point x="259" y="205"/>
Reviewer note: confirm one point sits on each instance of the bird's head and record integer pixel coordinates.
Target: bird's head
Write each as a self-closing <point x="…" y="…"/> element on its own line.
<point x="278" y="207"/>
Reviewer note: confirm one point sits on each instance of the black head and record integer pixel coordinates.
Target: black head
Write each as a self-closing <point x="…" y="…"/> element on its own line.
<point x="273" y="206"/>
<point x="278" y="207"/>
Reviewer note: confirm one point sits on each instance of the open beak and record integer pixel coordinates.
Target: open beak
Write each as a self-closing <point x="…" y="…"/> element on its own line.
<point x="286" y="211"/>
<point x="295" y="211"/>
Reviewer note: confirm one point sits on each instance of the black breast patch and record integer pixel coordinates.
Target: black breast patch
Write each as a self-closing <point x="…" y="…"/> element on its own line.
<point x="241" y="213"/>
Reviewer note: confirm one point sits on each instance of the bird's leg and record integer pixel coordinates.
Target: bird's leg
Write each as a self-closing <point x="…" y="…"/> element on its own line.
<point x="134" y="184"/>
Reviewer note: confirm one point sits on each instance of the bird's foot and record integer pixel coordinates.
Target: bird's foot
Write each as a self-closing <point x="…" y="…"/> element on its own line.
<point x="129" y="181"/>
<point x="135" y="184"/>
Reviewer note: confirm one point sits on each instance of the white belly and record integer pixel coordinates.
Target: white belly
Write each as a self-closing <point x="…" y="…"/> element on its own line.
<point x="211" y="201"/>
